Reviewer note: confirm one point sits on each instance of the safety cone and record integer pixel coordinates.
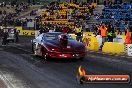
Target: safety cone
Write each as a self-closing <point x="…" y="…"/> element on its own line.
<point x="128" y="38"/>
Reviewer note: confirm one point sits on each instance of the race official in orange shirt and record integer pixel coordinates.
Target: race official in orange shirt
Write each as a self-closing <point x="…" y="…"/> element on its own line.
<point x="103" y="31"/>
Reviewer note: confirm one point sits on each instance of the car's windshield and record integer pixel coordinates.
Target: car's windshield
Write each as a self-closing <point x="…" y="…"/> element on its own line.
<point x="54" y="36"/>
<point x="50" y="37"/>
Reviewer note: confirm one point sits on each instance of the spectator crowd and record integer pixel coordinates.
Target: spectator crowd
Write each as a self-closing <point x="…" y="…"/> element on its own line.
<point x="7" y="17"/>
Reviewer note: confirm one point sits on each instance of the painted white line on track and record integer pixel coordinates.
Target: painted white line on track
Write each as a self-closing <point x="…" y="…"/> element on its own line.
<point x="6" y="81"/>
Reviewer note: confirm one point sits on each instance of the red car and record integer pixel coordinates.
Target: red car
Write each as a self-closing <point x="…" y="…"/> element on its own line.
<point x="58" y="45"/>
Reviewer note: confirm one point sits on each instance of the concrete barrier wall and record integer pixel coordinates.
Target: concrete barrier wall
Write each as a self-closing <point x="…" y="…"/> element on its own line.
<point x="25" y="32"/>
<point x="90" y="42"/>
<point x="113" y="47"/>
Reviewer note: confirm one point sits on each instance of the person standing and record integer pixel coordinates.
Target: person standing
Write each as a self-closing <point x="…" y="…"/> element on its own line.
<point x="119" y="37"/>
<point x="78" y="32"/>
<point x="103" y="29"/>
<point x="5" y="35"/>
<point x="41" y="31"/>
<point x="128" y="37"/>
<point x="86" y="26"/>
<point x="16" y="35"/>
<point x="110" y="33"/>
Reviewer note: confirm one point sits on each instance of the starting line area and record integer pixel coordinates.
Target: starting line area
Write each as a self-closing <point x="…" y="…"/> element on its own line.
<point x="91" y="42"/>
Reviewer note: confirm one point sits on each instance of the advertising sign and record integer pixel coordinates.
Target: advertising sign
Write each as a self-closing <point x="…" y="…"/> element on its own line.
<point x="129" y="49"/>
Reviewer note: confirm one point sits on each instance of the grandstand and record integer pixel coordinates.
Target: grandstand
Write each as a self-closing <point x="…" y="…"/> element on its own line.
<point x="120" y="15"/>
<point x="64" y="10"/>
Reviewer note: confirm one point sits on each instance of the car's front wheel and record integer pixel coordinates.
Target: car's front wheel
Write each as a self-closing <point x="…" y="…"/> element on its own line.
<point x="44" y="55"/>
<point x="34" y="49"/>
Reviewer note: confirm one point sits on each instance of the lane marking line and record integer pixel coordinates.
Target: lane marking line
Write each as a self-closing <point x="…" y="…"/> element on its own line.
<point x="6" y="81"/>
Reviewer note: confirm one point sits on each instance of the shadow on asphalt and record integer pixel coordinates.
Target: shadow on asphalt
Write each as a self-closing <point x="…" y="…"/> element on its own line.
<point x="56" y="60"/>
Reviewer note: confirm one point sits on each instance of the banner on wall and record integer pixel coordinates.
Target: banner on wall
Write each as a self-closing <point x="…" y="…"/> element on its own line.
<point x="129" y="49"/>
<point x="25" y="32"/>
<point x="30" y="24"/>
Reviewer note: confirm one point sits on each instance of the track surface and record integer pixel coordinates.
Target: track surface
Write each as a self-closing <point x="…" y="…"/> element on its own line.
<point x="21" y="69"/>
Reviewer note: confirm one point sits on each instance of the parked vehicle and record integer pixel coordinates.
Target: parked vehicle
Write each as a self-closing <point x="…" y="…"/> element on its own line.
<point x="12" y="34"/>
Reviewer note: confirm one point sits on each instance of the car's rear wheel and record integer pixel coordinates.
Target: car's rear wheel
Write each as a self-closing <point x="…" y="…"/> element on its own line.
<point x="44" y="54"/>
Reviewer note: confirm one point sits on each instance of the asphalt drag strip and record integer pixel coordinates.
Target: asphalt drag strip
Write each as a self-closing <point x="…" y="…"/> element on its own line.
<point x="24" y="70"/>
<point x="14" y="49"/>
<point x="2" y="83"/>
